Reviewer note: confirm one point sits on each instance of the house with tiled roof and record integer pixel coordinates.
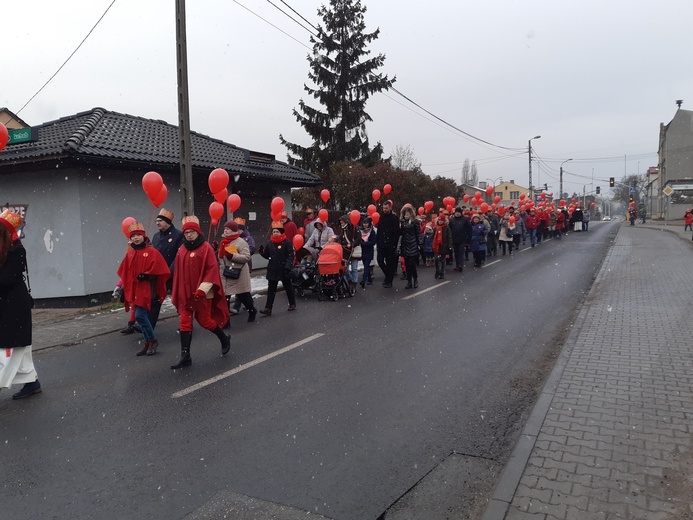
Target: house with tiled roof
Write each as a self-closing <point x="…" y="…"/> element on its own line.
<point x="81" y="176"/>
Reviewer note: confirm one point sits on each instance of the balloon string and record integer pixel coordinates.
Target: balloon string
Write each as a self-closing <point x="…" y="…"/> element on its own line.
<point x="150" y="219"/>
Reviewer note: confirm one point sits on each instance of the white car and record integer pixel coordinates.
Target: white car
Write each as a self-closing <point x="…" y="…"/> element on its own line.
<point x="606" y="218"/>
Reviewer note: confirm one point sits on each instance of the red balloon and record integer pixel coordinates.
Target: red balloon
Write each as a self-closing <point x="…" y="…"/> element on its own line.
<point x="151" y="184"/>
<point x="4" y="136"/>
<point x="496" y="199"/>
<point x="160" y="197"/>
<point x="501" y="210"/>
<point x="522" y="196"/>
<point x="477" y="195"/>
<point x="214" y="221"/>
<point x="428" y="205"/>
<point x="542" y="195"/>
<point x="371" y="209"/>
<point x="511" y="220"/>
<point x="301" y="230"/>
<point x="325" y="195"/>
<point x="376" y="195"/>
<point x="465" y="198"/>
<point x="421" y="210"/>
<point x="484" y="207"/>
<point x="218" y="180"/>
<point x="323" y="215"/>
<point x="277" y="205"/>
<point x="127" y="222"/>
<point x="449" y="208"/>
<point x="561" y="202"/>
<point x="355" y="217"/>
<point x="375" y="217"/>
<point x="489" y="190"/>
<point x="233" y="202"/>
<point x="216" y="210"/>
<point x="275" y="216"/>
<point x="572" y="200"/>
<point x="592" y="205"/>
<point x="387" y="189"/>
<point x="221" y="196"/>
<point x="298" y="241"/>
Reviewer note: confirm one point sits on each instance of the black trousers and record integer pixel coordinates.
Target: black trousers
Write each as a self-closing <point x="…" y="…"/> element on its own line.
<point x="272" y="291"/>
<point x="387" y="261"/>
<point x="410" y="267"/>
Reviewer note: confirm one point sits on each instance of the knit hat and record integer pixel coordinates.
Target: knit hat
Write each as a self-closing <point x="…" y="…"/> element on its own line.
<point x="233" y="226"/>
<point x="191" y="222"/>
<point x="277" y="225"/>
<point x="458" y="210"/>
<point x="136" y="228"/>
<point x="166" y="216"/>
<point x="12" y="221"/>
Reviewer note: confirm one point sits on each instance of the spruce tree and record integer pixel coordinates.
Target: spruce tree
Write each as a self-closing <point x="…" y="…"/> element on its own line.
<point x="344" y="78"/>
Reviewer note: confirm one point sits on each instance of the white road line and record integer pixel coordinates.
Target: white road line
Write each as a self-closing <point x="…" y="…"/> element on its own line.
<point x="490" y="263"/>
<point x="241" y="368"/>
<point x="426" y="290"/>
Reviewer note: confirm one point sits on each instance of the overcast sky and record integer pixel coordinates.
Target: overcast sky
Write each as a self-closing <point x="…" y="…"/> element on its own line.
<point x="594" y="78"/>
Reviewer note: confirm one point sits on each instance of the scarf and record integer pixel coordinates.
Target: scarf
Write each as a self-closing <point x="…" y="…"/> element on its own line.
<point x="365" y="234"/>
<point x="224" y="243"/>
<point x="278" y="239"/>
<point x="438" y="237"/>
<point x="195" y="243"/>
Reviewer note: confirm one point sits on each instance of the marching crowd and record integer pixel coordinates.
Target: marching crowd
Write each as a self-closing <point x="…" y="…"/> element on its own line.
<point x="209" y="282"/>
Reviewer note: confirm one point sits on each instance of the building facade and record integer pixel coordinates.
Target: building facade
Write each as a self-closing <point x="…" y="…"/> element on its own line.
<point x="676" y="165"/>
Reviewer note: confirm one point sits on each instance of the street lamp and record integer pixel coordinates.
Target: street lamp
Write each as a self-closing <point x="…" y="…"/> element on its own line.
<point x="560" y="195"/>
<point x="529" y="147"/>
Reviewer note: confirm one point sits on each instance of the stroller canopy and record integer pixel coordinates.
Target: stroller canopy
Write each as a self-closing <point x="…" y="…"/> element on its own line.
<point x="330" y="259"/>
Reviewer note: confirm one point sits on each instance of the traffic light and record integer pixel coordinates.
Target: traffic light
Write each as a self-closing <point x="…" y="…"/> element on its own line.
<point x="612" y="182"/>
<point x="599" y="190"/>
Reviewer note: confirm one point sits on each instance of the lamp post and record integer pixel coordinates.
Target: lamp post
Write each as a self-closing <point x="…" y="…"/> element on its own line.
<point x="560" y="195"/>
<point x="492" y="183"/>
<point x="529" y="147"/>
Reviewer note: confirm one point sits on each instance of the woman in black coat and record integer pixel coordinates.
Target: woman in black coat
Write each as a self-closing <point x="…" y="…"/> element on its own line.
<point x="280" y="253"/>
<point x="16" y="363"/>
<point x="410" y="240"/>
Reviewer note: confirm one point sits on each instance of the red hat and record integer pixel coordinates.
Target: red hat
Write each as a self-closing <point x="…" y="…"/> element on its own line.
<point x="191" y="222"/>
<point x="12" y="221"/>
<point x="233" y="226"/>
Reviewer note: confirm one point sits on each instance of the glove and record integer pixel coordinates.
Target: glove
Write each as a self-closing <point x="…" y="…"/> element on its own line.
<point x="215" y="246"/>
<point x="261" y="250"/>
<point x="200" y="295"/>
<point x="116" y="293"/>
<point x="143" y="277"/>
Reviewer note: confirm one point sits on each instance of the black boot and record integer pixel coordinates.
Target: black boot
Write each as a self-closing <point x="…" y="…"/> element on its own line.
<point x="251" y="314"/>
<point x="225" y="340"/>
<point x="184" y="360"/>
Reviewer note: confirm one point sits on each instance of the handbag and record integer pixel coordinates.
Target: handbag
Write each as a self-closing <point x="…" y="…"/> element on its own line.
<point x="356" y="253"/>
<point x="232" y="272"/>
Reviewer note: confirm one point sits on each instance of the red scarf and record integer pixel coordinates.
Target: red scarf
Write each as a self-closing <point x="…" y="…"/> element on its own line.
<point x="278" y="239"/>
<point x="438" y="237"/>
<point x="224" y="244"/>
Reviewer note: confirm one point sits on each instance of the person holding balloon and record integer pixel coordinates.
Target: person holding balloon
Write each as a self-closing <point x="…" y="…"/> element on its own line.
<point x="197" y="291"/>
<point x="442" y="243"/>
<point x="350" y="240"/>
<point x="16" y="362"/>
<point x="280" y="253"/>
<point x="507" y="229"/>
<point x="368" y="241"/>
<point x="144" y="273"/>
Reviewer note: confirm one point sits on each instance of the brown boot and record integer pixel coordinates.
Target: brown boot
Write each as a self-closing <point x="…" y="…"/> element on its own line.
<point x="266" y="311"/>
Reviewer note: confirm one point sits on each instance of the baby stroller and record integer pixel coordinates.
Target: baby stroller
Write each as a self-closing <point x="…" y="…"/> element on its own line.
<point x="332" y="280"/>
<point x="303" y="275"/>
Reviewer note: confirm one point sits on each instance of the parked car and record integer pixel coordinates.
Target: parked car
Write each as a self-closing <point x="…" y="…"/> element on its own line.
<point x="606" y="218"/>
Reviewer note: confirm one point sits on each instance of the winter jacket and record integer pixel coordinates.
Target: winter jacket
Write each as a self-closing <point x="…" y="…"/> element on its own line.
<point x="410" y="238"/>
<point x="319" y="239"/>
<point x="15" y="300"/>
<point x="240" y="259"/>
<point x="281" y="259"/>
<point x="478" y="241"/>
<point x="460" y="229"/>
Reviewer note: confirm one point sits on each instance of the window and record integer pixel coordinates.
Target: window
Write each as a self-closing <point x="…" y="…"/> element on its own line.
<point x="514" y="195"/>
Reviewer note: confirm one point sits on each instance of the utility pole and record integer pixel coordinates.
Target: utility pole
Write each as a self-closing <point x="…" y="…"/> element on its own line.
<point x="560" y="194"/>
<point x="186" y="180"/>
<point x="529" y="148"/>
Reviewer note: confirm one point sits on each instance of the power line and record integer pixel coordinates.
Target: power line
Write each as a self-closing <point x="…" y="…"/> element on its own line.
<point x="68" y="58"/>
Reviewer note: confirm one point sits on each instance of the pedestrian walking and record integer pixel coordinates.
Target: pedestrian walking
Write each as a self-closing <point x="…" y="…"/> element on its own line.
<point x="197" y="291"/>
<point x="461" y="230"/>
<point x="368" y="240"/>
<point x="388" y="237"/>
<point x="688" y="220"/>
<point x="235" y="257"/>
<point x="442" y="242"/>
<point x="478" y="241"/>
<point x="409" y="242"/>
<point x="350" y="240"/>
<point x="167" y="241"/>
<point x="280" y="253"/>
<point x="16" y="362"/>
<point x="144" y="273"/>
<point x="245" y="235"/>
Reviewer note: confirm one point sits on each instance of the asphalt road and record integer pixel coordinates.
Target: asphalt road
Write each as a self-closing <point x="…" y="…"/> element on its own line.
<point x="378" y="406"/>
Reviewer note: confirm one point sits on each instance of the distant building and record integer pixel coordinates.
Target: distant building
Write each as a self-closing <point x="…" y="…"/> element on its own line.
<point x="11" y="120"/>
<point x="77" y="182"/>
<point x="676" y="164"/>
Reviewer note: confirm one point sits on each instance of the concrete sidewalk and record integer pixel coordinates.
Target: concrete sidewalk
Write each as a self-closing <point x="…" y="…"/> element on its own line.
<point x="611" y="435"/>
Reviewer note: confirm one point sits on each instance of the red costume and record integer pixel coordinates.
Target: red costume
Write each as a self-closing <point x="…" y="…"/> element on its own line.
<point x="148" y="261"/>
<point x="192" y="268"/>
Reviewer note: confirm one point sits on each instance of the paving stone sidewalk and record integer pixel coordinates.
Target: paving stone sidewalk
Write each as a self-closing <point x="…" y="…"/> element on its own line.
<point x="611" y="435"/>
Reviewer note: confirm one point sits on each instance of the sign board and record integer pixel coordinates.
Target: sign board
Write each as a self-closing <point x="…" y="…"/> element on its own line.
<point x="631" y="190"/>
<point x="668" y="191"/>
<point x="23" y="135"/>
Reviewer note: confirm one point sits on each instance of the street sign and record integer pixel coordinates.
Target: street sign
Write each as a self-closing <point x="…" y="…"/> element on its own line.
<point x="631" y="190"/>
<point x="23" y="135"/>
<point x="668" y="191"/>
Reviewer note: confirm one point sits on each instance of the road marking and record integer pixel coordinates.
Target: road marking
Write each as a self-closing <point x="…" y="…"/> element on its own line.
<point x="241" y="368"/>
<point x="490" y="263"/>
<point x="426" y="290"/>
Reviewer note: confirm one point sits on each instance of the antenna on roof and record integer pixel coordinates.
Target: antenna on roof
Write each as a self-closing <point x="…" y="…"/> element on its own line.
<point x="679" y="102"/>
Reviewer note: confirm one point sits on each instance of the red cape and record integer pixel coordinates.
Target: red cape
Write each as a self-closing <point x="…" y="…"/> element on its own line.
<point x="191" y="268"/>
<point x="148" y="261"/>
